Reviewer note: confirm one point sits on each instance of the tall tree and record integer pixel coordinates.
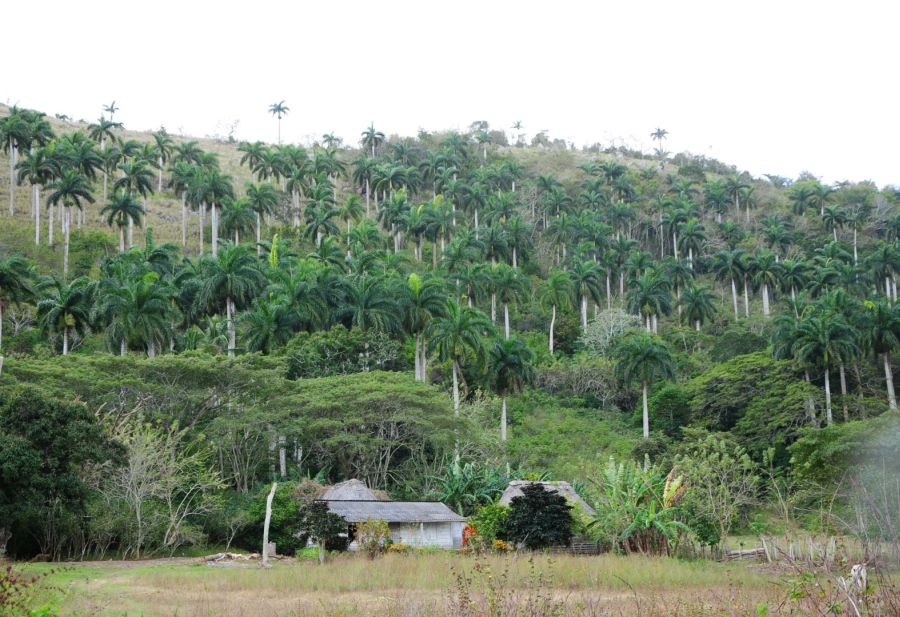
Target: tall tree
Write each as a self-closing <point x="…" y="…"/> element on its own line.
<point x="279" y="110"/>
<point x="459" y="332"/>
<point x="824" y="340"/>
<point x="511" y="368"/>
<point x="556" y="293"/>
<point x="71" y="189"/>
<point x="423" y="300"/>
<point x="123" y="210"/>
<point x="882" y="336"/>
<point x="15" y="285"/>
<point x="644" y="358"/>
<point x="63" y="309"/>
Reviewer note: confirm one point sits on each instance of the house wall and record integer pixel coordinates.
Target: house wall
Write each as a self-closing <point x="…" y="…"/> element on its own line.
<point x="441" y="535"/>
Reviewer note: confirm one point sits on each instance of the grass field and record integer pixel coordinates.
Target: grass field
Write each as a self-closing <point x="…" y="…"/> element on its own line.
<point x="427" y="584"/>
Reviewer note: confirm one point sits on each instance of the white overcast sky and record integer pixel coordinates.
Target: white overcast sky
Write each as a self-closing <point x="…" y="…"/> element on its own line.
<point x="773" y="87"/>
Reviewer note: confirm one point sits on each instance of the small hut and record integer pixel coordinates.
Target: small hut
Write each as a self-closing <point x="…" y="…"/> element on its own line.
<point x="415" y="523"/>
<point x="563" y="488"/>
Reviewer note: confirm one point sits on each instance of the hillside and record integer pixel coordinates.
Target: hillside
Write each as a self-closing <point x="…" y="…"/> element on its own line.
<point x="436" y="316"/>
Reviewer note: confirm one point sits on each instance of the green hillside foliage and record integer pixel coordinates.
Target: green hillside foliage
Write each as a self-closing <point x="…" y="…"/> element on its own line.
<point x="435" y="316"/>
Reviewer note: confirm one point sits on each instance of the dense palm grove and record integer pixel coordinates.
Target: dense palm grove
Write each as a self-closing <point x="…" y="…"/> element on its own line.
<point x="570" y="286"/>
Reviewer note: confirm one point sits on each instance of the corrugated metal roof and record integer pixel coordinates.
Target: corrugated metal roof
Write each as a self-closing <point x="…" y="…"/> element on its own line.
<point x="394" y="511"/>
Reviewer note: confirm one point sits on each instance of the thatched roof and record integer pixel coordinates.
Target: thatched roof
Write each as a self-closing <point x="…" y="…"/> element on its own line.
<point x="563" y="488"/>
<point x="394" y="511"/>
<point x="350" y="490"/>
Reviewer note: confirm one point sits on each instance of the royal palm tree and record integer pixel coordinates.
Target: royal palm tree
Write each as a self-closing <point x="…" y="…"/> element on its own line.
<point x="423" y="300"/>
<point x="824" y="340"/>
<point x="212" y="188"/>
<point x="460" y="331"/>
<point x="511" y="368"/>
<point x="697" y="304"/>
<point x="38" y="170"/>
<point x="832" y="219"/>
<point x="181" y="176"/>
<point x="16" y="277"/>
<point x="730" y="266"/>
<point x="15" y="134"/>
<point x="692" y="238"/>
<point x="71" y="189"/>
<point x="510" y="286"/>
<point x="101" y="132"/>
<point x="766" y="274"/>
<point x="369" y="304"/>
<point x="232" y="278"/>
<point x="266" y="323"/>
<point x="644" y="358"/>
<point x="882" y="336"/>
<point x="585" y="277"/>
<point x="262" y="199"/>
<point x="237" y="218"/>
<point x="252" y="154"/>
<point x="659" y="135"/>
<point x="138" y="311"/>
<point x="123" y="210"/>
<point x="557" y="294"/>
<point x="279" y="110"/>
<point x="136" y="179"/>
<point x="371" y="139"/>
<point x="649" y="296"/>
<point x="63" y="309"/>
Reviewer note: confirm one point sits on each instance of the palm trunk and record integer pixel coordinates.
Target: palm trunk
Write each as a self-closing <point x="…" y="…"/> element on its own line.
<point x="855" y="253"/>
<point x="50" y="226"/>
<point x="889" y="380"/>
<point x="65" y="340"/>
<point x="123" y="347"/>
<point x="215" y="231"/>
<point x="515" y="261"/>
<point x="506" y="320"/>
<point x="608" y="294"/>
<point x="552" y="324"/>
<point x="584" y="303"/>
<point x="367" y="197"/>
<point x="66" y="216"/>
<point x="417" y="360"/>
<point x="746" y="298"/>
<point x="424" y="370"/>
<point x="810" y="404"/>
<point x="36" y="191"/>
<point x="159" y="183"/>
<point x="697" y="325"/>
<point x="503" y="420"/>
<point x="258" y="235"/>
<point x="493" y="308"/>
<point x="183" y="218"/>
<point x="828" y="417"/>
<point x="455" y="387"/>
<point x="646" y="411"/>
<point x="229" y="310"/>
<point x="121" y="238"/>
<point x="844" y="392"/>
<point x="765" y="290"/>
<point x="12" y="175"/>
<point x="202" y="214"/>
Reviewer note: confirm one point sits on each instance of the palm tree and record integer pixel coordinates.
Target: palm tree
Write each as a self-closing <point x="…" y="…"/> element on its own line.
<point x="557" y="293"/>
<point x="64" y="308"/>
<point x="71" y="189"/>
<point x="730" y="266"/>
<point x="123" y="210"/>
<point x="369" y="304"/>
<point x="422" y="302"/>
<point x="371" y="139"/>
<point x="735" y="187"/>
<point x="832" y="219"/>
<point x="237" y="218"/>
<point x="15" y="285"/>
<point x="793" y="276"/>
<point x="882" y="336"/>
<point x="111" y="109"/>
<point x="38" y="170"/>
<point x="460" y="331"/>
<point x="693" y="236"/>
<point x="136" y="178"/>
<point x="510" y="286"/>
<point x="252" y="154"/>
<point x="100" y="132"/>
<point x="262" y="199"/>
<point x="644" y="358"/>
<point x="267" y="323"/>
<point x="138" y="311"/>
<point x="766" y="274"/>
<point x="511" y="368"/>
<point x="658" y="136"/>
<point x="649" y="297"/>
<point x="352" y="210"/>
<point x="15" y="133"/>
<point x="212" y="188"/>
<point x="278" y="110"/>
<point x="697" y="302"/>
<point x="181" y="176"/>
<point x="164" y="145"/>
<point x="585" y="277"/>
<point x="231" y="278"/>
<point x="824" y="340"/>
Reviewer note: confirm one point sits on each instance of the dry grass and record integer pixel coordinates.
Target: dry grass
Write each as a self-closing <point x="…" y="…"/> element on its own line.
<point x="427" y="584"/>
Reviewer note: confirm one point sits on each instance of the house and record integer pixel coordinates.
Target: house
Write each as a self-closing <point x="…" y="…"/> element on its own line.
<point x="415" y="523"/>
<point x="563" y="488"/>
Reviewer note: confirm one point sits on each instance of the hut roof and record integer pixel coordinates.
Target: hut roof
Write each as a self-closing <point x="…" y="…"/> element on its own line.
<point x="359" y="511"/>
<point x="563" y="488"/>
<point x="350" y="490"/>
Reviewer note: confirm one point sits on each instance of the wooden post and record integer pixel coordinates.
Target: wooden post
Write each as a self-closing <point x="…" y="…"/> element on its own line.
<point x="265" y="547"/>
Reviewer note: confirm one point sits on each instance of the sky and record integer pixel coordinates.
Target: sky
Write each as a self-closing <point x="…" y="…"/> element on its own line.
<point x="772" y="87"/>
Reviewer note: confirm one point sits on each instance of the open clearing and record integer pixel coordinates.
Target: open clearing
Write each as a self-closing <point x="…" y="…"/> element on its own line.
<point x="425" y="584"/>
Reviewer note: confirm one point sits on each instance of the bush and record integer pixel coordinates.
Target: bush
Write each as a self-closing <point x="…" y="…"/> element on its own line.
<point x="286" y="521"/>
<point x="670" y="409"/>
<point x="490" y="521"/>
<point x="340" y="351"/>
<point x="373" y="537"/>
<point x="539" y="518"/>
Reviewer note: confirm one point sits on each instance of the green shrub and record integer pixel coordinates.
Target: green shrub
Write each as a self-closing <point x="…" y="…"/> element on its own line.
<point x="539" y="518"/>
<point x="490" y="522"/>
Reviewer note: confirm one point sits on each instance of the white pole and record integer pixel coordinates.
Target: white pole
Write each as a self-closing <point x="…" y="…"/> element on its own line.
<point x="265" y="547"/>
